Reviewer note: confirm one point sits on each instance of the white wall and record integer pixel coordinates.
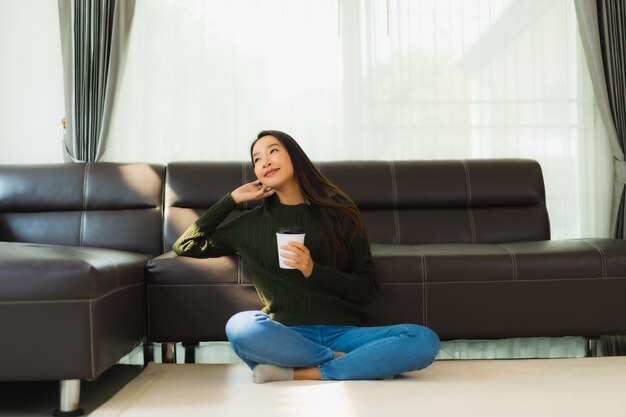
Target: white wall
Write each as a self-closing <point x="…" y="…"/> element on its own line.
<point x="31" y="82"/>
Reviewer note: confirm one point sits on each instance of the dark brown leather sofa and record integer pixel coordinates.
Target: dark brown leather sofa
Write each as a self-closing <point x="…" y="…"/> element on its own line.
<point x="74" y="241"/>
<point x="460" y="246"/>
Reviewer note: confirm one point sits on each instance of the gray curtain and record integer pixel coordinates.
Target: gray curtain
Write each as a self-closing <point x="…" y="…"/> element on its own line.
<point x="612" y="25"/>
<point x="94" y="43"/>
<point x="612" y="31"/>
<point x="602" y="26"/>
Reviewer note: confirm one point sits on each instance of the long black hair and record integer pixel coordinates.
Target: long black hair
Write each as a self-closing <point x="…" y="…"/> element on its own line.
<point x="334" y="205"/>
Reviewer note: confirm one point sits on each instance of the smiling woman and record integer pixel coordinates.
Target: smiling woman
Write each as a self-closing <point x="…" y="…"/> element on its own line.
<point x="272" y="165"/>
<point x="312" y="325"/>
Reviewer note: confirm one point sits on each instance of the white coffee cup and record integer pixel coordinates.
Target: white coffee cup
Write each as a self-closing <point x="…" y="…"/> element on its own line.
<point x="283" y="237"/>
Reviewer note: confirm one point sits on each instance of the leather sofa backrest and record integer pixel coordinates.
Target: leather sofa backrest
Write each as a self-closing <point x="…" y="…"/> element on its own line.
<point x="107" y="205"/>
<point x="405" y="202"/>
<point x="460" y="201"/>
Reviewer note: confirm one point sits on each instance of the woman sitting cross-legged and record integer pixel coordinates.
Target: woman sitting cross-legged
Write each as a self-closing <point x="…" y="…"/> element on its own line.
<point x="312" y="325"/>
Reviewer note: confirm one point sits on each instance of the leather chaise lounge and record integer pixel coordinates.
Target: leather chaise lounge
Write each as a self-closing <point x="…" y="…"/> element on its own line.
<point x="460" y="246"/>
<point x="74" y="240"/>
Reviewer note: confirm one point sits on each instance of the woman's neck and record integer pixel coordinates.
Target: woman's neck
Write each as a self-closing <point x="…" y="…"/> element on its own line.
<point x="290" y="196"/>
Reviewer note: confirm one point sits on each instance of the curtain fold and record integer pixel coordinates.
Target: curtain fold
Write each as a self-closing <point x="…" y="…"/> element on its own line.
<point x="94" y="43"/>
<point x="602" y="24"/>
<point x="612" y="27"/>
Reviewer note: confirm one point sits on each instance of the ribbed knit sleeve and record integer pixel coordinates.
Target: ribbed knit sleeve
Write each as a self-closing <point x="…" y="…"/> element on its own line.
<point x="359" y="283"/>
<point x="204" y="239"/>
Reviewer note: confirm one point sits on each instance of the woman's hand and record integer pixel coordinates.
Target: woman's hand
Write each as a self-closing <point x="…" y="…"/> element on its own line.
<point x="299" y="258"/>
<point x="251" y="191"/>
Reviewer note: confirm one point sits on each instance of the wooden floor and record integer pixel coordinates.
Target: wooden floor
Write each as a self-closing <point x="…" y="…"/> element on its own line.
<point x="577" y="387"/>
<point x="39" y="398"/>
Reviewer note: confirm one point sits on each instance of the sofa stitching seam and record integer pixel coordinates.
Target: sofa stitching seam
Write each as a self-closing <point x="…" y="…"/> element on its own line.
<point x="164" y="185"/>
<point x="394" y="191"/>
<point x="513" y="258"/>
<point x="75" y="300"/>
<point x="385" y="283"/>
<point x="424" y="286"/>
<point x="91" y="337"/>
<point x="216" y="284"/>
<point x="84" y="196"/>
<point x="534" y="280"/>
<point x="602" y="256"/>
<point x="470" y="214"/>
<point x="468" y="186"/>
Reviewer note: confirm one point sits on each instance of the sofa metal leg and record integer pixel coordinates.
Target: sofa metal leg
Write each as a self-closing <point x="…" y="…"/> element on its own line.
<point x="591" y="346"/>
<point x="168" y="352"/>
<point x="190" y="351"/>
<point x="69" y="399"/>
<point x="148" y="353"/>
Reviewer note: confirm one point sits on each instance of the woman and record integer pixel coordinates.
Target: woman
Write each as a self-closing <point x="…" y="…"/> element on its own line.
<point x="312" y="324"/>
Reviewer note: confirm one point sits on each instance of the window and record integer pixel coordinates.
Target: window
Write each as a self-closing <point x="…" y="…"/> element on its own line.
<point x="370" y="79"/>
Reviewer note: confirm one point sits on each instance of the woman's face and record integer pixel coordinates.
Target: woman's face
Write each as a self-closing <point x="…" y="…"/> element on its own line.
<point x="272" y="164"/>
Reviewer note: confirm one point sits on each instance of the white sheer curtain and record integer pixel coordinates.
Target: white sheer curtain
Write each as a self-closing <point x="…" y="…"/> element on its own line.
<point x="370" y="79"/>
<point x="31" y="83"/>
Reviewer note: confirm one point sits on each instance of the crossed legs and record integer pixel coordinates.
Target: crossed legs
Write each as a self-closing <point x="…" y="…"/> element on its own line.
<point x="331" y="352"/>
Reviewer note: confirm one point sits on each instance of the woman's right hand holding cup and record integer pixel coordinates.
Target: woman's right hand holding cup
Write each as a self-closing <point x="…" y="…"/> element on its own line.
<point x="251" y="191"/>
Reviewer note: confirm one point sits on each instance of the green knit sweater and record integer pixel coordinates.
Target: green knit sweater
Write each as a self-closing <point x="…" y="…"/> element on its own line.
<point x="327" y="297"/>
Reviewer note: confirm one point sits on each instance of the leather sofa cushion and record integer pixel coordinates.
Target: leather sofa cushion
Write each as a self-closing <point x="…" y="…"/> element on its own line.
<point x="170" y="269"/>
<point x="437" y="263"/>
<point x="36" y="272"/>
<point x="393" y="263"/>
<point x="542" y="260"/>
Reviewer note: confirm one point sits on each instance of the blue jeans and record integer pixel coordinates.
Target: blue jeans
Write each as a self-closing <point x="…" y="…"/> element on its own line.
<point x="371" y="352"/>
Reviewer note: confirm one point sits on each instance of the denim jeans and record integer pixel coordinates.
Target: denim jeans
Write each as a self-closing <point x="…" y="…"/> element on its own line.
<point x="371" y="352"/>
